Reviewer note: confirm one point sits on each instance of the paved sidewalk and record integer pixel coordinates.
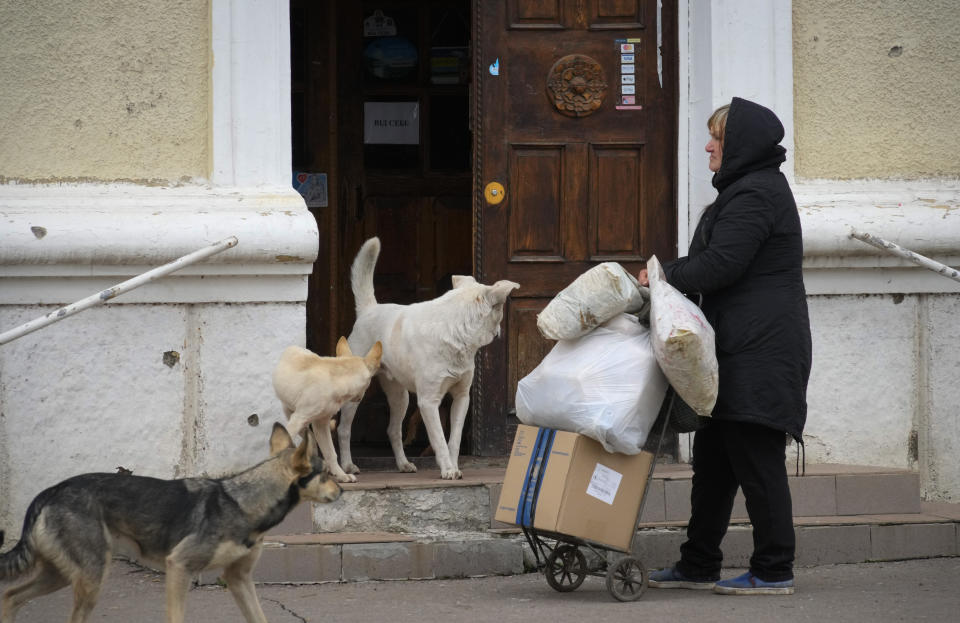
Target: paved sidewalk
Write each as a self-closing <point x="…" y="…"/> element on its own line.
<point x="915" y="590"/>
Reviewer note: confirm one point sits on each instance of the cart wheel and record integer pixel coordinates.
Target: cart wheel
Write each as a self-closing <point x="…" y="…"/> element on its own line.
<point x="627" y="579"/>
<point x="566" y="568"/>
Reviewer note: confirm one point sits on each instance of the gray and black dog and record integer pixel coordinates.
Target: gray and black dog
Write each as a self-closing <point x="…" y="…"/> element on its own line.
<point x="191" y="524"/>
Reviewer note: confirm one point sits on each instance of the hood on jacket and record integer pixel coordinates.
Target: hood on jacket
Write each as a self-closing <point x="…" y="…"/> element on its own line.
<point x="751" y="142"/>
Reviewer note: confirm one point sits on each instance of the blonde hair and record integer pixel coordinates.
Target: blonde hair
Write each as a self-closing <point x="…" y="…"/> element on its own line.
<point x="717" y="123"/>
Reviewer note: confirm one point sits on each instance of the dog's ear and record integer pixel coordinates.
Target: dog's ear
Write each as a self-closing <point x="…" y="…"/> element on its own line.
<point x="459" y="281"/>
<point x="498" y="292"/>
<point x="372" y="359"/>
<point x="279" y="439"/>
<point x="343" y="348"/>
<point x="301" y="458"/>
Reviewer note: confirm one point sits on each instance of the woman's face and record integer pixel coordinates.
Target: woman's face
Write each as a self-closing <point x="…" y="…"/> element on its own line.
<point x="715" y="149"/>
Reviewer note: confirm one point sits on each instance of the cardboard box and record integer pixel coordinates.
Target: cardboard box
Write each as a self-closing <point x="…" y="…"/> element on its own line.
<point x="567" y="483"/>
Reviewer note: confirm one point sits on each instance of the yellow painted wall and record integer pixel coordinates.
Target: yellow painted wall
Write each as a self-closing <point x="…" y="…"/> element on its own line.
<point x="876" y="88"/>
<point x="104" y="90"/>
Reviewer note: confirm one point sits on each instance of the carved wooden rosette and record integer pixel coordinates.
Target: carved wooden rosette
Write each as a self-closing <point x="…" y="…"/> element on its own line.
<point x="576" y="85"/>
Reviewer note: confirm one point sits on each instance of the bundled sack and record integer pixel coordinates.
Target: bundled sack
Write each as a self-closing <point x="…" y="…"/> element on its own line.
<point x="683" y="342"/>
<point x="599" y="294"/>
<point x="605" y="385"/>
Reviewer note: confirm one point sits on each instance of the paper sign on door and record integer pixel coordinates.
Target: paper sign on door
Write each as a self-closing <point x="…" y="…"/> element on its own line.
<point x="391" y="123"/>
<point x="604" y="484"/>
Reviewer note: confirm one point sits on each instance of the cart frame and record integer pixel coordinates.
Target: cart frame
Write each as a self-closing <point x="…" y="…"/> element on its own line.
<point x="565" y="566"/>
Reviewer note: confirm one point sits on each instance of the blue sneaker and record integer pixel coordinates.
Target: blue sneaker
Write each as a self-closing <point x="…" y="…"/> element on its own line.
<point x="671" y="578"/>
<point x="749" y="584"/>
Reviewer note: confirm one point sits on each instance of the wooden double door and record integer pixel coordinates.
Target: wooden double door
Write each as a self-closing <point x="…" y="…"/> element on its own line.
<point x="545" y="144"/>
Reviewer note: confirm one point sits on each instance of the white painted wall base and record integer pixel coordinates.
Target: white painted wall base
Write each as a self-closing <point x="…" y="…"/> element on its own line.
<point x="163" y="379"/>
<point x="884" y="385"/>
<point x="885" y="382"/>
<point x="165" y="390"/>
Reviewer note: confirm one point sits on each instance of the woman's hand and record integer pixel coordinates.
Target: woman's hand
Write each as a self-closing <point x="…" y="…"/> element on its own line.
<point x="643" y="278"/>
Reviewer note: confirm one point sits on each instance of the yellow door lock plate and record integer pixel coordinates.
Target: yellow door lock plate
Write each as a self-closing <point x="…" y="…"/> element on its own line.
<point x="494" y="193"/>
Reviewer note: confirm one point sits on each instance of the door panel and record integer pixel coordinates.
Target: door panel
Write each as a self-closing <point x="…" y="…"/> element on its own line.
<point x="535" y="230"/>
<point x="616" y="14"/>
<point x="616" y="205"/>
<point x="535" y="13"/>
<point x="527" y="348"/>
<point x="589" y="176"/>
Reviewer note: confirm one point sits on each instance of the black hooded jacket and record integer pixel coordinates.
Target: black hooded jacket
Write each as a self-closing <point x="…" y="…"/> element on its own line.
<point x="745" y="259"/>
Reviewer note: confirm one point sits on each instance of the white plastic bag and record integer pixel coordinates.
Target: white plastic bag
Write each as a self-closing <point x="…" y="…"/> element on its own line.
<point x="597" y="295"/>
<point x="683" y="342"/>
<point x="605" y="385"/>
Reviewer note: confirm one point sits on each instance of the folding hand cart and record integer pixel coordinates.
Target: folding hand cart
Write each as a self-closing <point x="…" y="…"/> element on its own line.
<point x="564" y="563"/>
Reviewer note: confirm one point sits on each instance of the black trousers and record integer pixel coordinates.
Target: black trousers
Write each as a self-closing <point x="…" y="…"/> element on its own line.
<point x="728" y="455"/>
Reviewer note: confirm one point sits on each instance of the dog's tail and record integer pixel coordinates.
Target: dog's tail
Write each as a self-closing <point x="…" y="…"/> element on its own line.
<point x="361" y="274"/>
<point x="23" y="556"/>
<point x="17" y="561"/>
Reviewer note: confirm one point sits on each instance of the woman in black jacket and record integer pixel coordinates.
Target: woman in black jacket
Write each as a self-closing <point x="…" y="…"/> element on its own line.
<point x="745" y="260"/>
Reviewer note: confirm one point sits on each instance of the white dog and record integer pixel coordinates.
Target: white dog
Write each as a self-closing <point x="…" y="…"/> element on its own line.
<point x="312" y="388"/>
<point x="428" y="348"/>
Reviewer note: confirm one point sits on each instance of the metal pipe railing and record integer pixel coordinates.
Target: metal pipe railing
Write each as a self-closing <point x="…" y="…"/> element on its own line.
<point x="117" y="290"/>
<point x="907" y="254"/>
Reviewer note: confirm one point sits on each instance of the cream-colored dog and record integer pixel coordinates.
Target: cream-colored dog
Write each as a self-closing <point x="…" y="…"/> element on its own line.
<point x="312" y="389"/>
<point x="429" y="349"/>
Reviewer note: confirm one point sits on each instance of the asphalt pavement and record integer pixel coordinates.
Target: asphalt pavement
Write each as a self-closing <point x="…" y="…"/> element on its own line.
<point x="913" y="590"/>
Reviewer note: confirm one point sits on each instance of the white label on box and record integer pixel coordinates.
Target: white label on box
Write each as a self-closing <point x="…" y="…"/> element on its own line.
<point x="604" y="484"/>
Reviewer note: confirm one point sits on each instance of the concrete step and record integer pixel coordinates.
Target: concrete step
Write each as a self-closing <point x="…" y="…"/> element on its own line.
<point x="823" y="491"/>
<point x="406" y="526"/>
<point x="422" y="503"/>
